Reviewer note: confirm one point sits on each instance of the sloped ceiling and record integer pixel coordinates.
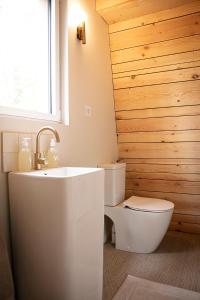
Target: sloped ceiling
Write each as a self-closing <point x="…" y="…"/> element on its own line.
<point x="114" y="11"/>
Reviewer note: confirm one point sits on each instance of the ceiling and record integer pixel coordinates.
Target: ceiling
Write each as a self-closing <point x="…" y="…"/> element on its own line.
<point x="114" y="11"/>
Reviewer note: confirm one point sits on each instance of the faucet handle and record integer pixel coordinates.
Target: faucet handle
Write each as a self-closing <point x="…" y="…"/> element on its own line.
<point x="40" y="161"/>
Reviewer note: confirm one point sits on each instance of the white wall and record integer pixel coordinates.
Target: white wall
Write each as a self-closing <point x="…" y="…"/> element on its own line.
<point x="86" y="141"/>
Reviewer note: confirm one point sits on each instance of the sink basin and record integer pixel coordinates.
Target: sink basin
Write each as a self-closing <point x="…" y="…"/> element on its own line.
<point x="60" y="172"/>
<point x="57" y="220"/>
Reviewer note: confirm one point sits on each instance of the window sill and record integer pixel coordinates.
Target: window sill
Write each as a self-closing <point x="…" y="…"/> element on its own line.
<point x="30" y="115"/>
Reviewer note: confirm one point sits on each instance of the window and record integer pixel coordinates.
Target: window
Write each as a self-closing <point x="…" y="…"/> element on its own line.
<point x="29" y="52"/>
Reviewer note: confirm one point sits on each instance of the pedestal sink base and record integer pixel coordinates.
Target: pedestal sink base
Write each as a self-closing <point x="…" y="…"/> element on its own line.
<point x="57" y="233"/>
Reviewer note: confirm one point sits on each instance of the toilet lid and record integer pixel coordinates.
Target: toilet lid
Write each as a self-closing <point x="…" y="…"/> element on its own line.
<point x="148" y="204"/>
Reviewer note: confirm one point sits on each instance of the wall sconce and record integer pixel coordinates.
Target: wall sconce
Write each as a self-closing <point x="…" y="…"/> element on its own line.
<point x="77" y="20"/>
<point x="81" y="34"/>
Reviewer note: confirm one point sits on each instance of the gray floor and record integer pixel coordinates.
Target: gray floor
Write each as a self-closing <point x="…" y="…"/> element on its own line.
<point x="176" y="262"/>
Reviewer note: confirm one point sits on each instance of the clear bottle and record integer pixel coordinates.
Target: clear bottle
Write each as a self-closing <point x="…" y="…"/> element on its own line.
<point x="25" y="156"/>
<point x="52" y="155"/>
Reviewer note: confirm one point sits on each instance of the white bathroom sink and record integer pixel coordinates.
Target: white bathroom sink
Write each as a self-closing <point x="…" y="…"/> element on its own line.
<point x="57" y="220"/>
<point x="60" y="172"/>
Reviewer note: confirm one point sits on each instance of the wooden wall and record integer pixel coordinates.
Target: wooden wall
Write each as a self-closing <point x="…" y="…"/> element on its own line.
<point x="156" y="78"/>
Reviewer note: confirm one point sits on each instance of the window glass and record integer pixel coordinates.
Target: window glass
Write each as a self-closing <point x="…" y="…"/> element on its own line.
<point x="24" y="55"/>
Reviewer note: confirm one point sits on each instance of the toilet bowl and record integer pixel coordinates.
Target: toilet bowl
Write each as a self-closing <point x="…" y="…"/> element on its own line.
<point x="140" y="223"/>
<point x="140" y="230"/>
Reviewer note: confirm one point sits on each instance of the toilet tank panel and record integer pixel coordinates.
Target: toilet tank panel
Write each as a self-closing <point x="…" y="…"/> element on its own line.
<point x="114" y="183"/>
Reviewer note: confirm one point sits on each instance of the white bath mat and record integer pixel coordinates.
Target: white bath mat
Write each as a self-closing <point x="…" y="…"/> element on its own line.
<point x="135" y="288"/>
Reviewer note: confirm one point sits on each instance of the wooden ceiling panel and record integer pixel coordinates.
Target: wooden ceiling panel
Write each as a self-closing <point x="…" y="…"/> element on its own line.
<point x="114" y="11"/>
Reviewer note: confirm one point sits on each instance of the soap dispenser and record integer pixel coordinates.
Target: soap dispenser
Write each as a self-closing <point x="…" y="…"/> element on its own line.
<point x="52" y="156"/>
<point x="25" y="155"/>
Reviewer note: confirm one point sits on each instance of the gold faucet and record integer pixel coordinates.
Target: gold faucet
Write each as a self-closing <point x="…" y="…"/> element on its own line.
<point x="40" y="161"/>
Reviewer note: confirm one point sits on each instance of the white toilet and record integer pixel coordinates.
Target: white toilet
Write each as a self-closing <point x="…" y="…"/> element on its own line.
<point x="140" y="223"/>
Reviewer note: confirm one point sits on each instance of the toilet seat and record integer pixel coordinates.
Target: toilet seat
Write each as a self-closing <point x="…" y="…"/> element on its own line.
<point x="148" y="204"/>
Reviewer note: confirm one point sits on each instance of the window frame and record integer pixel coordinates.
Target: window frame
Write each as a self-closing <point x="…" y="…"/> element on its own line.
<point x="53" y="74"/>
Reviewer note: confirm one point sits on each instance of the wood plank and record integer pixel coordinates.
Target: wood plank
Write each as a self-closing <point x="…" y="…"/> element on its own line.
<point x="158" y="112"/>
<point x="185" y="227"/>
<point x="157" y="64"/>
<point x="184" y="203"/>
<point x="166" y="95"/>
<point x="161" y="161"/>
<point x="163" y="176"/>
<point x="154" y="33"/>
<point x="159" y="150"/>
<point x="118" y="10"/>
<point x="159" y="16"/>
<point x="153" y="50"/>
<point x="185" y="223"/>
<point x="103" y="4"/>
<point x="182" y="187"/>
<point x="156" y="70"/>
<point x="159" y="124"/>
<point x="183" y="218"/>
<point x="157" y="32"/>
<point x="158" y="78"/>
<point x="164" y="168"/>
<point x="160" y="137"/>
